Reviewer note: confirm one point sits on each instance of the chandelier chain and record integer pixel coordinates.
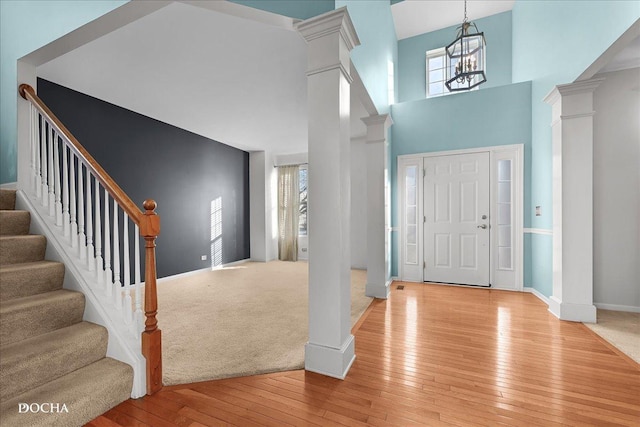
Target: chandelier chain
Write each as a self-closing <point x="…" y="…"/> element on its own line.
<point x="465" y="11"/>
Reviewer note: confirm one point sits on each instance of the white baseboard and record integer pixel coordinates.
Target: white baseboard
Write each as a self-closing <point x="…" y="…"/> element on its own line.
<point x="231" y="264"/>
<point x="536" y="293"/>
<point x="191" y="273"/>
<point x="616" y="307"/>
<point x="185" y="274"/>
<point x="585" y="313"/>
<point x="9" y="186"/>
<point x="332" y="362"/>
<point x="377" y="290"/>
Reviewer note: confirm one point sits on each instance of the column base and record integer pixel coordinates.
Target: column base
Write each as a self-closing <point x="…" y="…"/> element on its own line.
<point x="585" y="313"/>
<point x="376" y="290"/>
<point x="329" y="361"/>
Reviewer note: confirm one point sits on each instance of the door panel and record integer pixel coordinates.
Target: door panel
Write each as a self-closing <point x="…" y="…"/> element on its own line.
<point x="456" y="197"/>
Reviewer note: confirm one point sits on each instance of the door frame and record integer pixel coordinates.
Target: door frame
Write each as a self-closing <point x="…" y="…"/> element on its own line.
<point x="511" y="279"/>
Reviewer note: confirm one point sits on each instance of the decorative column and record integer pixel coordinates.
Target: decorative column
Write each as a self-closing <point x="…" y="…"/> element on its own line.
<point x="330" y="38"/>
<point x="378" y="280"/>
<point x="572" y="141"/>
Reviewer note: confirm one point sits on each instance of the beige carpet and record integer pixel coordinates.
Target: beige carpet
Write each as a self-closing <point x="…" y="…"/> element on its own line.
<point x="241" y="320"/>
<point x="621" y="329"/>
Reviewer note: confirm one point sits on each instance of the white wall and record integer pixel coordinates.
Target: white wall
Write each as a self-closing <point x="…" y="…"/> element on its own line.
<point x="358" y="203"/>
<point x="616" y="188"/>
<point x="263" y="208"/>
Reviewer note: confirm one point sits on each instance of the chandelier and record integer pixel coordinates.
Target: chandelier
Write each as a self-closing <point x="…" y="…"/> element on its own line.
<point x="465" y="58"/>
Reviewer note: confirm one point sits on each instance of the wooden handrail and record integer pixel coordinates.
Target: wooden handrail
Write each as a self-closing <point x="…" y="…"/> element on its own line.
<point x="149" y="224"/>
<point x="136" y="215"/>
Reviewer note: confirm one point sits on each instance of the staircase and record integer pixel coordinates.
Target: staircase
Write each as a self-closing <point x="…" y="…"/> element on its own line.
<point x="48" y="355"/>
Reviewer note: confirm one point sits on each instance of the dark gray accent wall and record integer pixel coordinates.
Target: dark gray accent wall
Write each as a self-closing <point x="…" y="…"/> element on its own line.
<point x="182" y="171"/>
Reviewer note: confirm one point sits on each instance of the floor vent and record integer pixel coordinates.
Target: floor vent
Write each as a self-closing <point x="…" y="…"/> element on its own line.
<point x="400" y="287"/>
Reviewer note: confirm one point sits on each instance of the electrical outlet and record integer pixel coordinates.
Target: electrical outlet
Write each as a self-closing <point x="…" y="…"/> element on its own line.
<point x="304" y="249"/>
<point x="203" y="258"/>
<point x="538" y="211"/>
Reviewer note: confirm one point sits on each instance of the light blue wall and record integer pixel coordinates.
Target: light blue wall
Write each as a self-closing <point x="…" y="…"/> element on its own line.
<point x="411" y="55"/>
<point x="494" y="116"/>
<point x="541" y="261"/>
<point x="378" y="45"/>
<point x="24" y="27"/>
<point x="553" y="43"/>
<point x="301" y="9"/>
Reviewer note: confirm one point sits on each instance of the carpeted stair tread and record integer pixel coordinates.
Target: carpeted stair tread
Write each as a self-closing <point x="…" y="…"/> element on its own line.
<point x="47" y="353"/>
<point x="23" y="318"/>
<point x="17" y="249"/>
<point x="14" y="222"/>
<point x="7" y="199"/>
<point x="30" y="278"/>
<point x="87" y="393"/>
<point x="33" y="362"/>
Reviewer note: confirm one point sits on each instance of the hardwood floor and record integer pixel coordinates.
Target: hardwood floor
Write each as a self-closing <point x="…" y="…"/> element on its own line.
<point x="430" y="355"/>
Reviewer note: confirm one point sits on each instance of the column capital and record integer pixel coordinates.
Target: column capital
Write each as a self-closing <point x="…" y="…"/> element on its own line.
<point x="377" y="126"/>
<point x="586" y="86"/>
<point x="570" y="101"/>
<point x="384" y="119"/>
<point x="329" y="23"/>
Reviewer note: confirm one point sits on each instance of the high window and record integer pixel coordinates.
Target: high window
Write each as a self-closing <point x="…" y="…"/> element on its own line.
<point x="436" y="75"/>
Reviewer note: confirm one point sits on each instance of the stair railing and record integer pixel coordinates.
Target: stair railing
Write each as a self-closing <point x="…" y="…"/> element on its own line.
<point x="93" y="214"/>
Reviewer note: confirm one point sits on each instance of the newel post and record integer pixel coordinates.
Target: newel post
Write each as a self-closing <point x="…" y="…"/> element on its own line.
<point x="152" y="336"/>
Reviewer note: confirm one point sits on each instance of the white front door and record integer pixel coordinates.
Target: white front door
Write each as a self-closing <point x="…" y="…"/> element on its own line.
<point x="456" y="219"/>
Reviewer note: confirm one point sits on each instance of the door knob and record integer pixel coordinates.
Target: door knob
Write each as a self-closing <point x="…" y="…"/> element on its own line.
<point x="483" y="226"/>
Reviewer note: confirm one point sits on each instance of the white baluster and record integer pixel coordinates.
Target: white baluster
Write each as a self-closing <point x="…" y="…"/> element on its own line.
<point x="89" y="204"/>
<point x="82" y="238"/>
<point x="72" y="204"/>
<point x="51" y="185"/>
<point x="37" y="146"/>
<point x="58" y="190"/>
<point x="34" y="149"/>
<point x="99" y="270"/>
<point x="127" y="271"/>
<point x="117" y="285"/>
<point x="43" y="160"/>
<point x="65" y="191"/>
<point x="139" y="315"/>
<point x="108" y="279"/>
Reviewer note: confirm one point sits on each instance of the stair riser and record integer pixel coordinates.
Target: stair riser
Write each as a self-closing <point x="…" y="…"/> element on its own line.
<point x="32" y="363"/>
<point x="16" y="282"/>
<point x="7" y="199"/>
<point x="14" y="223"/>
<point x="19" y="323"/>
<point x="14" y="250"/>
